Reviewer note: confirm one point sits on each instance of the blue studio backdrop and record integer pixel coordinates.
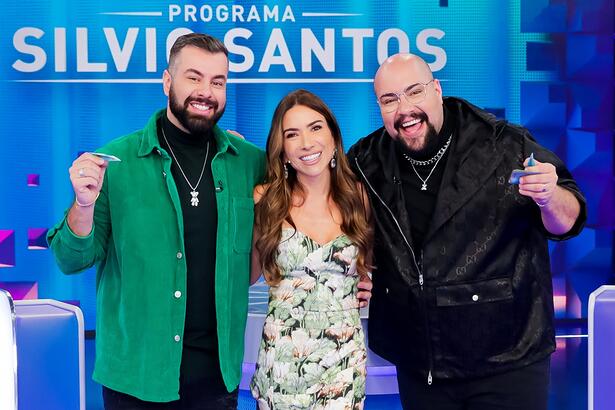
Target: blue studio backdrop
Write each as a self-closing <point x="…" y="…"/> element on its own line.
<point x="76" y="74"/>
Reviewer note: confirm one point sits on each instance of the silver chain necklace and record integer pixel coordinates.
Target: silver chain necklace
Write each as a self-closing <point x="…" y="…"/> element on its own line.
<point x="194" y="201"/>
<point x="435" y="158"/>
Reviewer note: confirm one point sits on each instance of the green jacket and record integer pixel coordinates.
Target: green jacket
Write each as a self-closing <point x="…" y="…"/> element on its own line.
<point x="137" y="244"/>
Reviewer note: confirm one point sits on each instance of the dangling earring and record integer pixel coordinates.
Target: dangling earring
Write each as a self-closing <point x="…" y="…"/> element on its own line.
<point x="285" y="171"/>
<point x="333" y="162"/>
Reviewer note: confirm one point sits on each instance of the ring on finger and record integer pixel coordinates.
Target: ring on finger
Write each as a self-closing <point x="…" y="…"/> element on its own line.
<point x="81" y="172"/>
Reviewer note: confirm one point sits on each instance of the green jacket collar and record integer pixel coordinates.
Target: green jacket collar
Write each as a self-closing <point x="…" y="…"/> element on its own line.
<point x="149" y="138"/>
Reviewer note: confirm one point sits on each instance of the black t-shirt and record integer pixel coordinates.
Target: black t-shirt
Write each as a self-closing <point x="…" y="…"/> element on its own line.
<point x="420" y="203"/>
<point x="200" y="353"/>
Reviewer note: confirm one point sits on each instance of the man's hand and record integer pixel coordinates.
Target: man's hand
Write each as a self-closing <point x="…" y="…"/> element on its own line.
<point x="86" y="176"/>
<point x="559" y="208"/>
<point x="365" y="291"/>
<point x="539" y="187"/>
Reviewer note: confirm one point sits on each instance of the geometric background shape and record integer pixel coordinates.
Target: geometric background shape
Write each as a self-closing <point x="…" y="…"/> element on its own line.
<point x="33" y="179"/>
<point x="21" y="290"/>
<point x="7" y="248"/>
<point x="540" y="111"/>
<point x="543" y="16"/>
<point x="587" y="56"/>
<point x="542" y="56"/>
<point x="37" y="238"/>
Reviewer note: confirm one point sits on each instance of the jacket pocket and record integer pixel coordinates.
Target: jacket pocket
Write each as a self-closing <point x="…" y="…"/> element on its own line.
<point x="474" y="293"/>
<point x="242" y="224"/>
<point x="475" y="320"/>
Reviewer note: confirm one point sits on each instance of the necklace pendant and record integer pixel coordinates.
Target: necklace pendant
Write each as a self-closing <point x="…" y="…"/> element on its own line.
<point x="424" y="187"/>
<point x="194" y="201"/>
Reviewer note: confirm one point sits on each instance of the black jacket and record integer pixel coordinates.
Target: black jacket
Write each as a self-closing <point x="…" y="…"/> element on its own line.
<point x="477" y="299"/>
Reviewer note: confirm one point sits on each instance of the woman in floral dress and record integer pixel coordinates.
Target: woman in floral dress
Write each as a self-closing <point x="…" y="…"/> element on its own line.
<point x="312" y="242"/>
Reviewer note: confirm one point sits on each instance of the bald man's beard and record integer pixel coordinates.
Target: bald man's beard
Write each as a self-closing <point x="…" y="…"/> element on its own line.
<point x="427" y="146"/>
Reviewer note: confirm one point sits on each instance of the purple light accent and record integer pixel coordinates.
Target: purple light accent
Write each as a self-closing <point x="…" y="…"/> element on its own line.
<point x="248" y="367"/>
<point x="33" y="179"/>
<point x="7" y="248"/>
<point x="382" y="370"/>
<point x="37" y="238"/>
<point x="21" y="290"/>
<point x="559" y="297"/>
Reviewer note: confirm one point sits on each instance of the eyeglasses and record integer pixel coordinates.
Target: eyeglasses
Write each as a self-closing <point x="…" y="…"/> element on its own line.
<point x="414" y="94"/>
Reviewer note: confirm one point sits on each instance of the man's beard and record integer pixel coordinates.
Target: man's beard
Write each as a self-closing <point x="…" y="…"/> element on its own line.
<point x="430" y="143"/>
<point x="193" y="123"/>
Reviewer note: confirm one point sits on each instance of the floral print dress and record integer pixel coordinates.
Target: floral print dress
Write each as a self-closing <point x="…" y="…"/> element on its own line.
<point x="312" y="354"/>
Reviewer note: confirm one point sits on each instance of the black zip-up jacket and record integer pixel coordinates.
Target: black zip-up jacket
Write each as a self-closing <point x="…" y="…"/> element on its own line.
<point x="477" y="299"/>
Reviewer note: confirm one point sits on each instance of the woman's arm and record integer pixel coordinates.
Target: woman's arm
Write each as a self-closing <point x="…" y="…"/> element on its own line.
<point x="256" y="267"/>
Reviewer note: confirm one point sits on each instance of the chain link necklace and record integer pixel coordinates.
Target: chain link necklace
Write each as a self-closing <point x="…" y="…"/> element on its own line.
<point x="194" y="200"/>
<point x="436" y="158"/>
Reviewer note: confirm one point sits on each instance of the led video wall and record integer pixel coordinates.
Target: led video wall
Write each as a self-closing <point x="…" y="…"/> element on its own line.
<point x="78" y="74"/>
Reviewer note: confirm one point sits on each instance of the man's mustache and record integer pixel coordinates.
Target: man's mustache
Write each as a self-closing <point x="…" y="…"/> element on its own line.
<point x="420" y="115"/>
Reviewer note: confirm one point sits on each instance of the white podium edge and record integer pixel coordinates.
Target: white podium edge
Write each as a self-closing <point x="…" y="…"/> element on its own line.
<point x="13" y="318"/>
<point x="81" y="337"/>
<point x="590" y="342"/>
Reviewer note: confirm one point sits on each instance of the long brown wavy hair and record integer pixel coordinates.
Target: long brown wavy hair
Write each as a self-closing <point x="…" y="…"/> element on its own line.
<point x="276" y="201"/>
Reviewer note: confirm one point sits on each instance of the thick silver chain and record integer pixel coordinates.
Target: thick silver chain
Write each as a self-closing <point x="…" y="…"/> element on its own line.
<point x="435" y="158"/>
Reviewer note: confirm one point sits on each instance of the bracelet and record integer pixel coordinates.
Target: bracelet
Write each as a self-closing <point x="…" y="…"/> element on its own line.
<point x="86" y="205"/>
<point x="541" y="206"/>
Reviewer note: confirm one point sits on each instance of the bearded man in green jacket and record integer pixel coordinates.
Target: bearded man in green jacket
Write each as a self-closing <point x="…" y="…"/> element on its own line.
<point x="170" y="230"/>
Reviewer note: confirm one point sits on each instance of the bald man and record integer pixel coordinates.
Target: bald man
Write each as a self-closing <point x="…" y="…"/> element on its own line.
<point x="462" y="301"/>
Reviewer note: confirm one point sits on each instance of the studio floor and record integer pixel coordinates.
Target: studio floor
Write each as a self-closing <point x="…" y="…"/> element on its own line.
<point x="568" y="389"/>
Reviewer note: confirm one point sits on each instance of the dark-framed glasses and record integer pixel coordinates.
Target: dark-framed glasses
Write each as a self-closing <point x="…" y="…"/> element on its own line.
<point x="414" y="94"/>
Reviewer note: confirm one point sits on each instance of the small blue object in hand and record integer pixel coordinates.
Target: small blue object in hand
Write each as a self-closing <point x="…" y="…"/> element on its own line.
<point x="518" y="173"/>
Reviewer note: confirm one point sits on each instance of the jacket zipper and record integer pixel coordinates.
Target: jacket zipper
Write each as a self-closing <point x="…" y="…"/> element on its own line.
<point x="418" y="269"/>
<point x="427" y="328"/>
